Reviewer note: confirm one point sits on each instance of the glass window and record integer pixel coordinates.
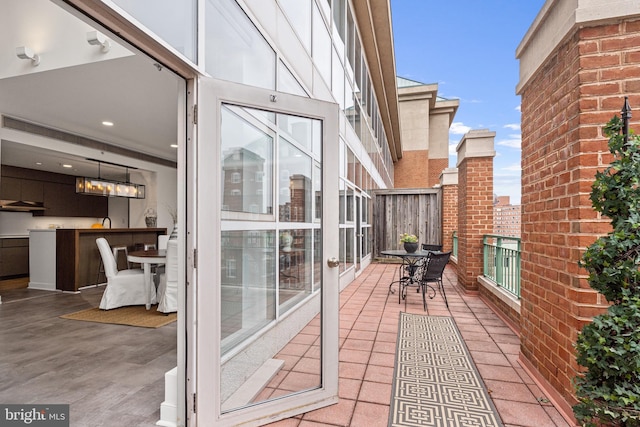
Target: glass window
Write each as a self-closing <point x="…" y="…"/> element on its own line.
<point x="287" y="82"/>
<point x="295" y="193"/>
<point x="298" y="129"/>
<point x="247" y="152"/>
<point x="350" y="44"/>
<point x="248" y="284"/>
<point x="295" y="262"/>
<point x="173" y="21"/>
<point x="235" y="49"/>
<point x="339" y="24"/>
<point x="321" y="47"/>
<point x="299" y="14"/>
<point x="337" y="80"/>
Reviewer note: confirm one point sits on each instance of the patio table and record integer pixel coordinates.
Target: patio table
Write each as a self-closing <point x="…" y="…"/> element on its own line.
<point x="410" y="263"/>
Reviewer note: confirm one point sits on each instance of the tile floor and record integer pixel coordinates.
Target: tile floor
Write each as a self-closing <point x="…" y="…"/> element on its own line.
<point x="368" y="330"/>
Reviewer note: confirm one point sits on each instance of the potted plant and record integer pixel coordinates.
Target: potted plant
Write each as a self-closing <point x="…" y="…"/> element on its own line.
<point x="410" y="242"/>
<point x="608" y="389"/>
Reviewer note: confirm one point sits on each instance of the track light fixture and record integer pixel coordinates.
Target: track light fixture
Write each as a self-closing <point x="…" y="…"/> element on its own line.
<point x="95" y="38"/>
<point x="24" y="52"/>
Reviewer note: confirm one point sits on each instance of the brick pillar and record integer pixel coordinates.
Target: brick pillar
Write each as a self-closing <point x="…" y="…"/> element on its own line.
<point x="475" y="202"/>
<point x="568" y="94"/>
<point x="449" y="185"/>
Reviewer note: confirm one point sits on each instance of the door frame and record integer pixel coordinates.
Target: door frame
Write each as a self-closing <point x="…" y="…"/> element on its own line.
<point x="203" y="365"/>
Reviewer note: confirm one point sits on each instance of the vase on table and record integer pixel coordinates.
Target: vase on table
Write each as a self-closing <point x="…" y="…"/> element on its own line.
<point x="410" y="247"/>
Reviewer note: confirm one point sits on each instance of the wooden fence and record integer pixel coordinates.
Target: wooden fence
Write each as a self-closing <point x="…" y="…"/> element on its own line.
<point x="413" y="211"/>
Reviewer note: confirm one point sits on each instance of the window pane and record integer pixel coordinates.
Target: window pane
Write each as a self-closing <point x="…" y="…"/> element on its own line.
<point x="247" y="285"/>
<point x="299" y="129"/>
<point x="235" y="49"/>
<point x="287" y="82"/>
<point x="337" y="80"/>
<point x="247" y="163"/>
<point x="321" y="47"/>
<point x="295" y="264"/>
<point x="294" y="189"/>
<point x="299" y="14"/>
<point x="173" y="21"/>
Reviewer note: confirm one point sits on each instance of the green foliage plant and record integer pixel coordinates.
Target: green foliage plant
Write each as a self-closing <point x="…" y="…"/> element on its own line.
<point x="608" y="390"/>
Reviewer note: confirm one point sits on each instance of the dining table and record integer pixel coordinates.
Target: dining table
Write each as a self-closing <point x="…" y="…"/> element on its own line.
<point x="410" y="263"/>
<point x="148" y="258"/>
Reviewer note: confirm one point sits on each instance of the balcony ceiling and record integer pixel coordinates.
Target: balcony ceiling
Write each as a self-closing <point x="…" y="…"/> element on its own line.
<point x="76" y="87"/>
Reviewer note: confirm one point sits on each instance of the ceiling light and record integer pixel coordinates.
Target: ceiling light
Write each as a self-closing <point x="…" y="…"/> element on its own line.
<point x="109" y="188"/>
<point x="24" y="52"/>
<point x="95" y="38"/>
<point x="174" y="145"/>
<point x="67" y="166"/>
<point x="107" y="123"/>
<point x="39" y="163"/>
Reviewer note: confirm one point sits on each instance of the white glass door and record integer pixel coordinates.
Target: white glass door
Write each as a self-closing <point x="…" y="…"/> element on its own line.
<point x="267" y="289"/>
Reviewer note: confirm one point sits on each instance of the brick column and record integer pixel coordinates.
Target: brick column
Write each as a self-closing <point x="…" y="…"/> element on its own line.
<point x="449" y="185"/>
<point x="475" y="202"/>
<point x="568" y="94"/>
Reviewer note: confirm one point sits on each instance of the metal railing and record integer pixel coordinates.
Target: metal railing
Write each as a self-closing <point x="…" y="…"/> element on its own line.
<point x="454" y="251"/>
<point x="502" y="262"/>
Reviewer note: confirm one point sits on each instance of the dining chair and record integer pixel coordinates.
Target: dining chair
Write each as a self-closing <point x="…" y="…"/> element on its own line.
<point x="429" y="247"/>
<point x="432" y="273"/>
<point x="124" y="287"/>
<point x="168" y="288"/>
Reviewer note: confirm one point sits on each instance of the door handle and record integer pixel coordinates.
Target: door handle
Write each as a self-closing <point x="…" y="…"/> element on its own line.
<point x="333" y="262"/>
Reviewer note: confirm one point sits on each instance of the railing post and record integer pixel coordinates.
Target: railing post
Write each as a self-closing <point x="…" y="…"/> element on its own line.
<point x="626" y="115"/>
<point x="499" y="262"/>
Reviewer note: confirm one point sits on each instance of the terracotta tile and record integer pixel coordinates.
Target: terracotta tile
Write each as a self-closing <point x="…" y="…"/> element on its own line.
<point x="338" y="414"/>
<point x="486" y="346"/>
<point x="384" y="347"/>
<point x="382" y="359"/>
<point x="375" y="393"/>
<point x="354" y="356"/>
<point x="307" y="365"/>
<point x="353" y="344"/>
<point x="387" y="336"/>
<point x="363" y="335"/>
<point x="502" y="373"/>
<point x="351" y="370"/>
<point x="379" y="374"/>
<point x="296" y="381"/>
<point x="489" y="358"/>
<point x="370" y="415"/>
<point x="295" y="349"/>
<point x="522" y="414"/>
<point x="349" y="388"/>
<point x="288" y="422"/>
<point x="515" y="392"/>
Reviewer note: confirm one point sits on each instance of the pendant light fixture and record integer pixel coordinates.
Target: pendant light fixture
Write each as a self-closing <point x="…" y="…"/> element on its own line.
<point x="107" y="187"/>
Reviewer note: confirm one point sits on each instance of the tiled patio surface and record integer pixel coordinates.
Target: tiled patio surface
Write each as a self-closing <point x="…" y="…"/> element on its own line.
<point x="368" y="331"/>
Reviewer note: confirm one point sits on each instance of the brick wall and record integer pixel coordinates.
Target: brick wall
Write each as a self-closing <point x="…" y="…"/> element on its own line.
<point x="475" y="216"/>
<point x="412" y="171"/>
<point x="436" y="166"/>
<point x="564" y="107"/>
<point x="449" y="215"/>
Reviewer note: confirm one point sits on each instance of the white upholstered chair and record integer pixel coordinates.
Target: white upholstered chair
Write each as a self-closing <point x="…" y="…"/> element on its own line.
<point x="168" y="288"/>
<point x="124" y="287"/>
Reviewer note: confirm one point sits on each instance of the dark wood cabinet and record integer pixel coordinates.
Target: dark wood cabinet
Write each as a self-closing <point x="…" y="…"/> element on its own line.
<point x="14" y="257"/>
<point x="78" y="258"/>
<point x="57" y="191"/>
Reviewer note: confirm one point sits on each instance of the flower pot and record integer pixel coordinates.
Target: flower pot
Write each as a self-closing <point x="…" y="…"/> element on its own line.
<point x="410" y="247"/>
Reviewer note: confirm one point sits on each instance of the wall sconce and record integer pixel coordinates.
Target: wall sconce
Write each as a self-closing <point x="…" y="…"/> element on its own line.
<point x="24" y="52"/>
<point x="95" y="38"/>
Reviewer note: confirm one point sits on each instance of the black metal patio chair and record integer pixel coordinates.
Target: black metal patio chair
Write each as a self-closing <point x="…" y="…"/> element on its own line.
<point x="432" y="273"/>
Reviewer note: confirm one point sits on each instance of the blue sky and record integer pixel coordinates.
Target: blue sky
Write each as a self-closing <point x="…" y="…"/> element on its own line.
<point x="468" y="47"/>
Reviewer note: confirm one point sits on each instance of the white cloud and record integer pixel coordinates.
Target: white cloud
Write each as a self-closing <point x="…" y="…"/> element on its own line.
<point x="458" y="128"/>
<point x="513" y="141"/>
<point x="518" y="108"/>
<point x="515" y="167"/>
<point x="452" y="148"/>
<point x="512" y="126"/>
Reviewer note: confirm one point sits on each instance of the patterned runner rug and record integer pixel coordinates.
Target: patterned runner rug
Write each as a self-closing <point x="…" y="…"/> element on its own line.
<point x="435" y="381"/>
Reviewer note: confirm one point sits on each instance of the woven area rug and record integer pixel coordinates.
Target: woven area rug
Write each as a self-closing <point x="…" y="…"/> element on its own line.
<point x="435" y="381"/>
<point x="135" y="315"/>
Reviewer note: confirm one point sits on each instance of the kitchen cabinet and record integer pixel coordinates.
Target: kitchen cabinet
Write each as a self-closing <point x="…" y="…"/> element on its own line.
<point x="57" y="191"/>
<point x="78" y="258"/>
<point x="14" y="257"/>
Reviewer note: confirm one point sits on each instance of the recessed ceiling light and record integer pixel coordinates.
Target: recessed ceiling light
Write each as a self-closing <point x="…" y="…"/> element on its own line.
<point x="174" y="145"/>
<point x="67" y="166"/>
<point x="39" y="163"/>
<point x="107" y="123"/>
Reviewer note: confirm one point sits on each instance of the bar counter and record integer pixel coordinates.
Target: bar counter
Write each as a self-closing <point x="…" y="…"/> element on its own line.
<point x="78" y="258"/>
